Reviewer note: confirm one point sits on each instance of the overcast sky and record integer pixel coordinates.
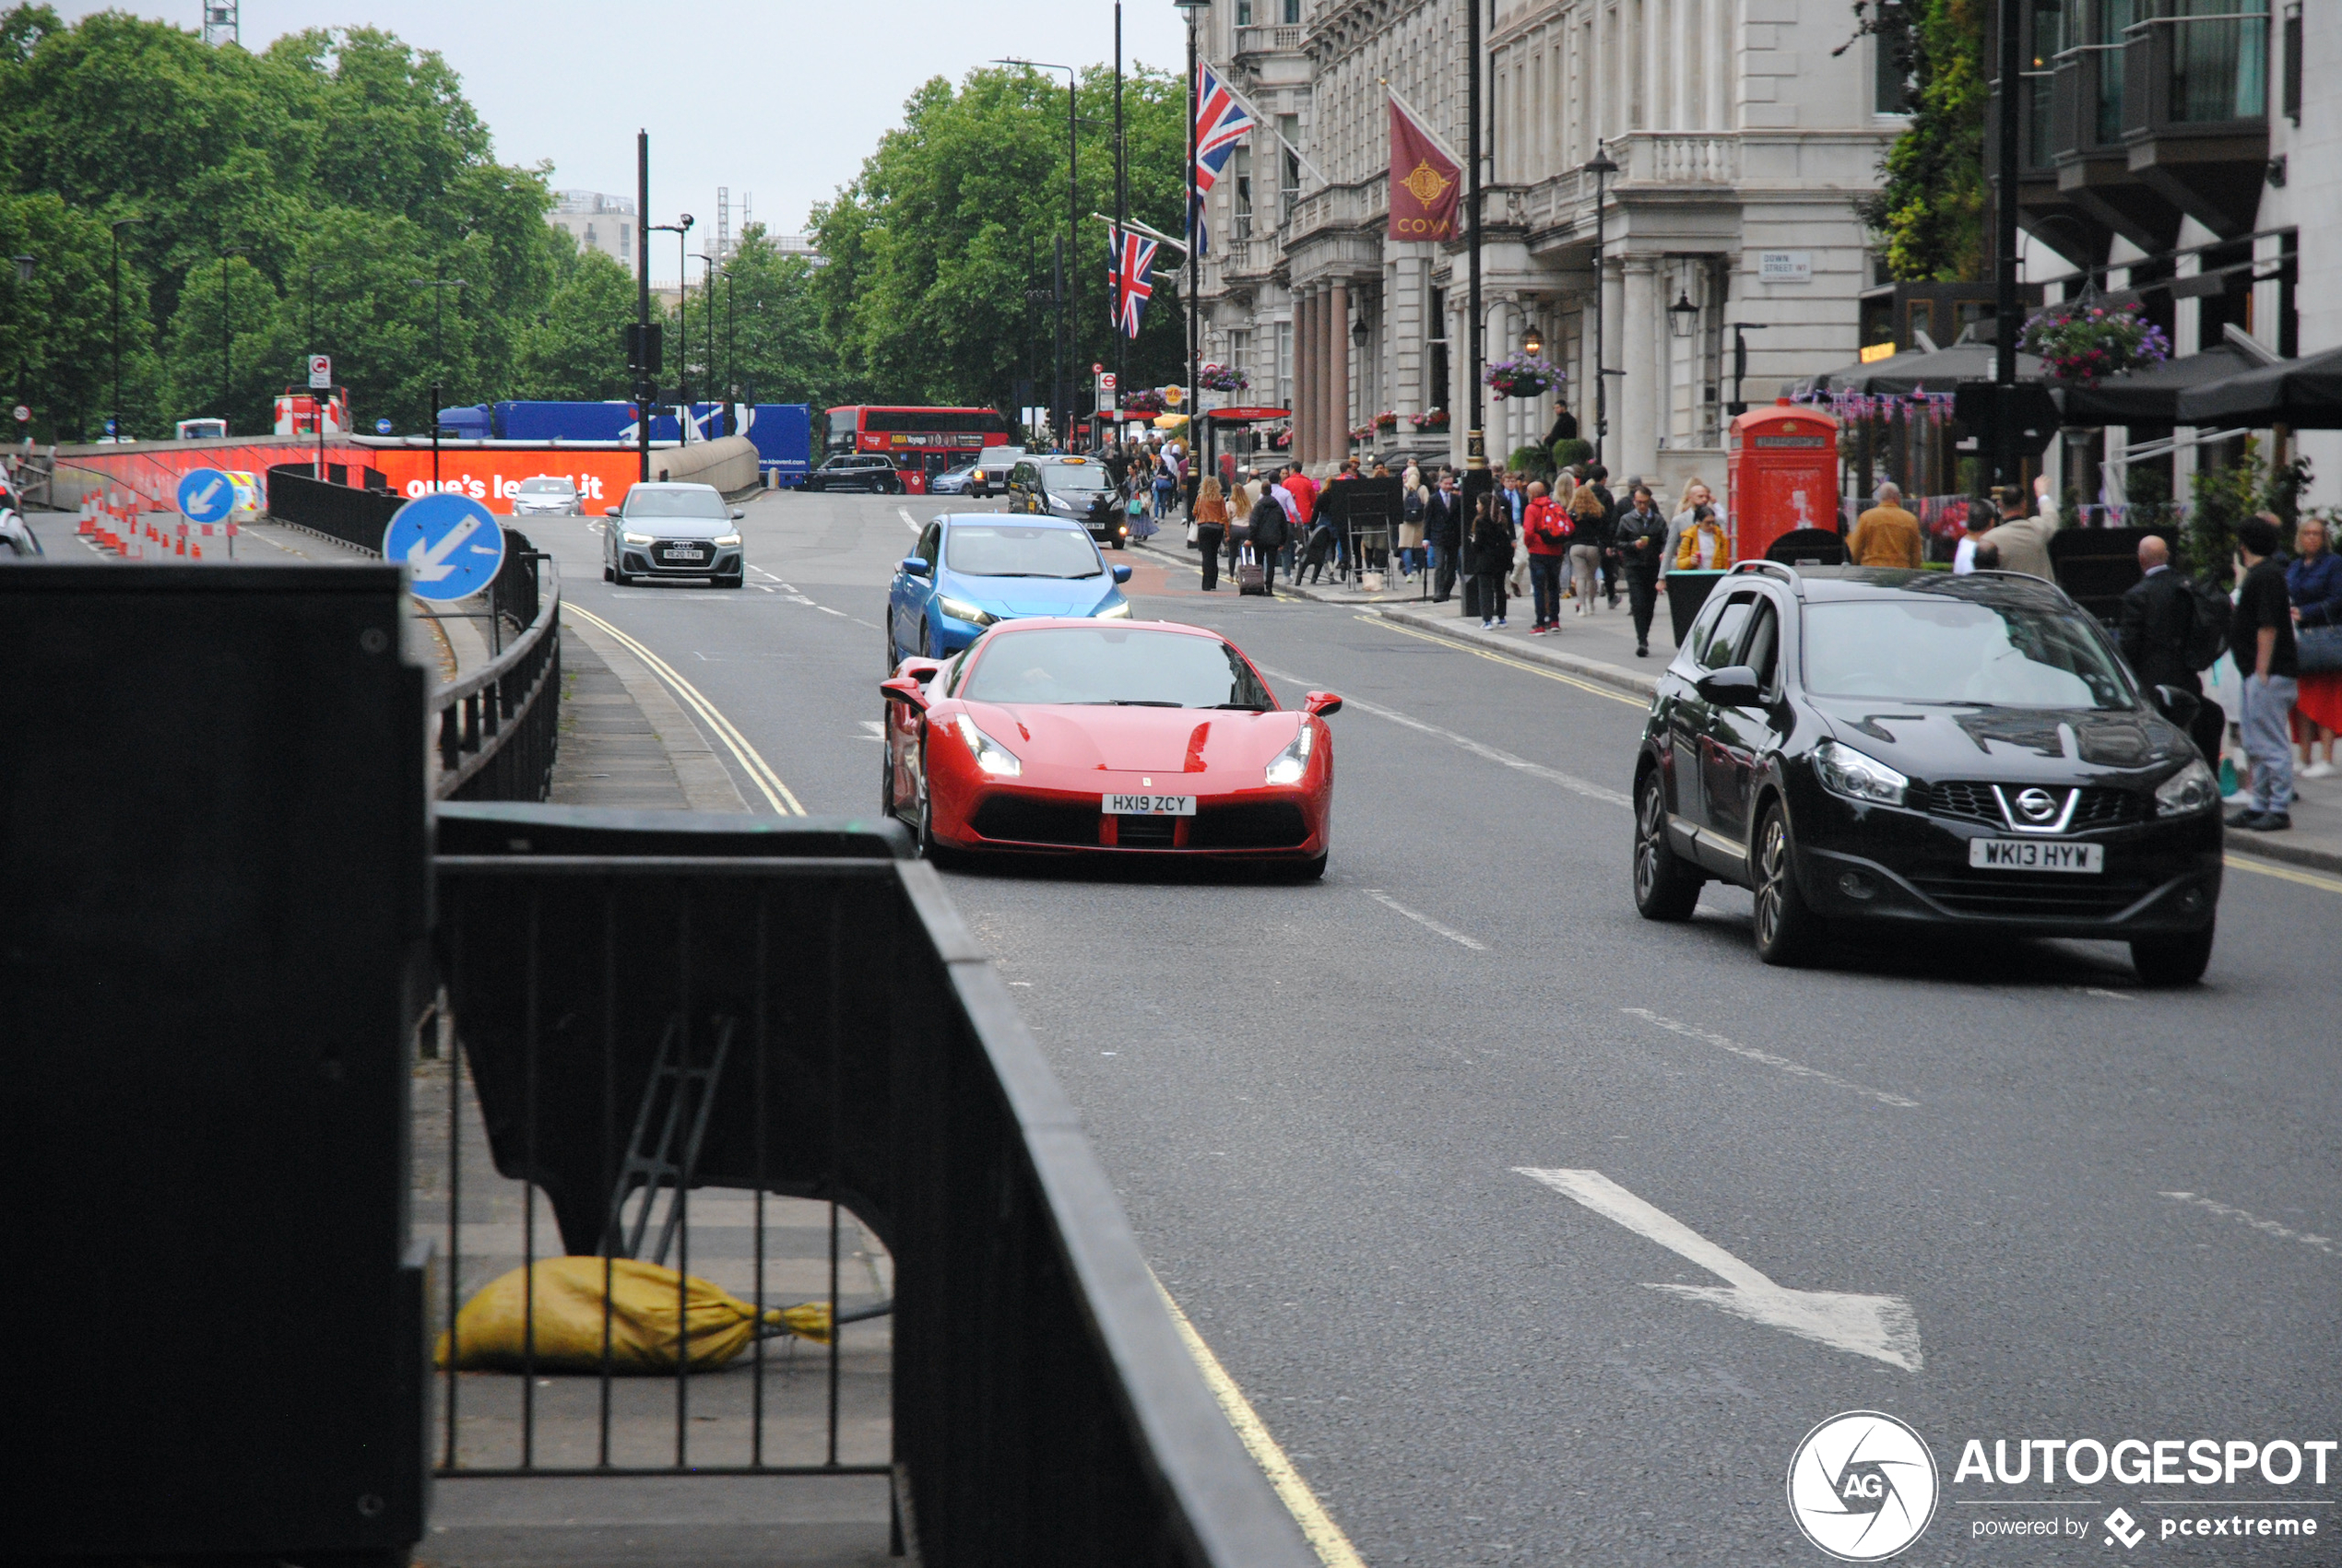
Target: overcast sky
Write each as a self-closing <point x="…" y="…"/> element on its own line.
<point x="777" y="102"/>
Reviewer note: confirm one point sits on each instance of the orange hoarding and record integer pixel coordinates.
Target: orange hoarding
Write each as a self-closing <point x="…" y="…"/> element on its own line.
<point x="491" y="474"/>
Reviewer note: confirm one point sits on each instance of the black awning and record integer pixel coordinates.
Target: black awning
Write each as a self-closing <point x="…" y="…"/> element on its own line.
<point x="1901" y="374"/>
<point x="2303" y="394"/>
<point x="2151" y="396"/>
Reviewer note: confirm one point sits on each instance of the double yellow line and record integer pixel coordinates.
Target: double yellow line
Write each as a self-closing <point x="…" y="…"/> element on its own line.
<point x="758" y="771"/>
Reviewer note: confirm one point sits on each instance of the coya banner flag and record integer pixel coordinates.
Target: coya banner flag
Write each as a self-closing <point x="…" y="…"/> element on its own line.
<point x="1129" y="258"/>
<point x="1426" y="179"/>
<point x="1221" y="120"/>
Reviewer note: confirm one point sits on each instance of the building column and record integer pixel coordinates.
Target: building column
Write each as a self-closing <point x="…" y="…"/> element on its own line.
<point x="1304" y="375"/>
<point x="1337" y="382"/>
<point x="1646" y="380"/>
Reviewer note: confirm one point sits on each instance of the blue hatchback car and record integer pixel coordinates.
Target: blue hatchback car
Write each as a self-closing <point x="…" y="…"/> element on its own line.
<point x="972" y="570"/>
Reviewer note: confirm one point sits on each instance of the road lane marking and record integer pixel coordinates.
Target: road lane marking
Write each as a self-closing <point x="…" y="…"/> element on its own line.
<point x="760" y="771"/>
<point x="1882" y="1327"/>
<point x="1325" y="1537"/>
<point x="1781" y="1063"/>
<point x="1536" y="769"/>
<point x="1424" y="920"/>
<point x="2246" y="1217"/>
<point x="1502" y="659"/>
<point x="908" y="520"/>
<point x="2284" y="873"/>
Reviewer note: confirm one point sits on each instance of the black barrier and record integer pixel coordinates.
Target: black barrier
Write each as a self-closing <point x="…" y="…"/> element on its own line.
<point x="339" y="511"/>
<point x="499" y="728"/>
<point x="212" y="881"/>
<point x="852" y="1046"/>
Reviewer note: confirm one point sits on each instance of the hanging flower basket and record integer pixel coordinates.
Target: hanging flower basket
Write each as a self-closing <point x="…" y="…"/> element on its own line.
<point x="2081" y="343"/>
<point x="1521" y="375"/>
<point x="1222" y="378"/>
<point x="1146" y="402"/>
<point x="1429" y="420"/>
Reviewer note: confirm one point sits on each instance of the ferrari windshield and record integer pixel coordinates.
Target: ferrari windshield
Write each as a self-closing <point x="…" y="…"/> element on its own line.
<point x="1960" y="653"/>
<point x="1010" y="550"/>
<point x="1119" y="665"/>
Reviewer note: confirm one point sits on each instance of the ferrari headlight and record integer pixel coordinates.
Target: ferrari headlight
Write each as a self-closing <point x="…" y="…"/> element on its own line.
<point x="990" y="755"/>
<point x="2193" y="788"/>
<point x="1120" y="610"/>
<point x="632" y="537"/>
<point x="1844" y="770"/>
<point x="960" y="609"/>
<point x="1288" y="766"/>
<point x="727" y="538"/>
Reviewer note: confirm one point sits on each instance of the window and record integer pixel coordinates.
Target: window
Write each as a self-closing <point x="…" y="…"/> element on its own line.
<point x="1010" y="550"/>
<point x="1115" y="665"/>
<point x="1890" y="74"/>
<point x="930" y="544"/>
<point x="1244" y="13"/>
<point x="1764" y="645"/>
<point x="1240" y="198"/>
<point x="625" y="247"/>
<point x="1961" y="652"/>
<point x="1289" y="186"/>
<point x="1292" y="13"/>
<point x="1720" y="640"/>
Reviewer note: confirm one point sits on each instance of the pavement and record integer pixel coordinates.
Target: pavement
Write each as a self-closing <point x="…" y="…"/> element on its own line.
<point x="1372" y="1133"/>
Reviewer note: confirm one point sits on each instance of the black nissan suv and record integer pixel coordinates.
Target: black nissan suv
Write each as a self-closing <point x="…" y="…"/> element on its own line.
<point x="1878" y="746"/>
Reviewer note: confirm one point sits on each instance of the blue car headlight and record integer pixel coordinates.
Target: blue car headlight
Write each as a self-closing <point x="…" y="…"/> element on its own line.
<point x="1119" y="609"/>
<point x="960" y="609"/>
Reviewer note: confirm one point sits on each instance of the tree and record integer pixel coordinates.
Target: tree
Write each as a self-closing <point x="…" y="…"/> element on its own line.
<point x="576" y="349"/>
<point x="56" y="340"/>
<point x="1931" y="212"/>
<point x="781" y="353"/>
<point x="256" y="367"/>
<point x="932" y="249"/>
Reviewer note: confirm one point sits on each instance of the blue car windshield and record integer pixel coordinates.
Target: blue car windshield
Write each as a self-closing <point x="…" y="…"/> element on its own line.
<point x="1124" y="666"/>
<point x="1006" y="550"/>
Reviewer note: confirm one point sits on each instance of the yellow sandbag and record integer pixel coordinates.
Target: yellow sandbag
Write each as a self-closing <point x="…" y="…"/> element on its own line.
<point x="491" y="1330"/>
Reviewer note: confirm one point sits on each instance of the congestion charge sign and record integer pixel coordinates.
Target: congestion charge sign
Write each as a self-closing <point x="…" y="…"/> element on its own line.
<point x="451" y="545"/>
<point x="206" y="495"/>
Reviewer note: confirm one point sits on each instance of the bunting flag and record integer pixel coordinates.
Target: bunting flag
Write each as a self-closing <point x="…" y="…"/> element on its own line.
<point x="1221" y="120"/>
<point x="1426" y="179"/>
<point x="1129" y="258"/>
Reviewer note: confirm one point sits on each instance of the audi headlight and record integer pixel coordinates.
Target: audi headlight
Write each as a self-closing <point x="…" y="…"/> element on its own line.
<point x="1847" y="772"/>
<point x="727" y="538"/>
<point x="2194" y="788"/>
<point x="1120" y="611"/>
<point x="1288" y="766"/>
<point x="632" y="537"/>
<point x="990" y="755"/>
<point x="960" y="609"/>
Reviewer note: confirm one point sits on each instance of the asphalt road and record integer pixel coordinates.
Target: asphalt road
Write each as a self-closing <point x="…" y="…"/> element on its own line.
<point x="1317" y="1100"/>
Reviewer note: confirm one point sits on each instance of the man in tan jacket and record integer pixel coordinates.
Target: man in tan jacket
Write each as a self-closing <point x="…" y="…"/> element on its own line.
<point x="1887" y="534"/>
<point x="2023" y="541"/>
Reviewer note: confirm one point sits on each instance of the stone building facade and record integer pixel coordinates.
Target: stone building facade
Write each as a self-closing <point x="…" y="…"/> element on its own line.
<point x="1743" y="138"/>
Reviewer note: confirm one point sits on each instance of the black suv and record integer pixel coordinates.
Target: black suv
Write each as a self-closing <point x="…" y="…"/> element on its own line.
<point x="855" y="471"/>
<point x="1863" y="745"/>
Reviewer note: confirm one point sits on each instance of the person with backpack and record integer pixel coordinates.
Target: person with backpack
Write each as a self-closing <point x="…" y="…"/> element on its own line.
<point x="1547" y="527"/>
<point x="1267" y="532"/>
<point x="1414" y="505"/>
<point x="2164" y="633"/>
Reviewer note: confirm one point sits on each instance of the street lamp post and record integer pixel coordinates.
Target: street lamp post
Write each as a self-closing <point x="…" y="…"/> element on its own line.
<point x="707" y="307"/>
<point x="1601" y="169"/>
<point x="227" y="338"/>
<point x="645" y="379"/>
<point x="24" y="277"/>
<point x="438" y="287"/>
<point x="1475" y="434"/>
<point x="1070" y="291"/>
<point x="1193" y="11"/>
<point x="682" y="283"/>
<point x="114" y="420"/>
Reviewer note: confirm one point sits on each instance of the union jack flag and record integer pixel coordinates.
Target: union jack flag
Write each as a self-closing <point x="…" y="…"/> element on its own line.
<point x="1128" y="259"/>
<point x="1221" y="120"/>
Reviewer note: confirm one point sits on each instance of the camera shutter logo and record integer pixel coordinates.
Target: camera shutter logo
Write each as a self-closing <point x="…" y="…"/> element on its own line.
<point x="1862" y="1486"/>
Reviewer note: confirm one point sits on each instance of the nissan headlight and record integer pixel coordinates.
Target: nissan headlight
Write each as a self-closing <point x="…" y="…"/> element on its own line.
<point x="990" y="755"/>
<point x="1844" y="770"/>
<point x="632" y="537"/>
<point x="2194" y="788"/>
<point x="960" y="609"/>
<point x="726" y="540"/>
<point x="1288" y="766"/>
<point x="1120" y="611"/>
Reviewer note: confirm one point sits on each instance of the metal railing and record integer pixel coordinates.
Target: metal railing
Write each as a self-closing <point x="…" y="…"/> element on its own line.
<point x="846" y="1042"/>
<point x="339" y="511"/>
<point x="499" y="726"/>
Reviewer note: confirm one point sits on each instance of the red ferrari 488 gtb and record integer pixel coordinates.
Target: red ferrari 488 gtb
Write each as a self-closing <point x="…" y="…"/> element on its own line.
<point x="1141" y="738"/>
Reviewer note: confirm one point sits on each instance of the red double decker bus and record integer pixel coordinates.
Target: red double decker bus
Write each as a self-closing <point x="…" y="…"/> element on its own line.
<point x="922" y="443"/>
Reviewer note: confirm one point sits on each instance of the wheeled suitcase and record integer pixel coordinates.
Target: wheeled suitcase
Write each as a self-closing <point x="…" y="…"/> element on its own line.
<point x="1251" y="576"/>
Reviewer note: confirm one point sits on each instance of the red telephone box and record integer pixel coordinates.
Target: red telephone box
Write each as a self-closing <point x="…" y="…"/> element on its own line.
<point x="1783" y="464"/>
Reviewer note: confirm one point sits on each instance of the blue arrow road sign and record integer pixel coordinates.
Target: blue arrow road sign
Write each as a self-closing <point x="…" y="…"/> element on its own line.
<point x="382" y="427"/>
<point x="206" y="495"/>
<point x="451" y="545"/>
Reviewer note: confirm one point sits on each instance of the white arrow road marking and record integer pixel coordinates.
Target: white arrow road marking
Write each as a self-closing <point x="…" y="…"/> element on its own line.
<point x="908" y="520"/>
<point x="202" y="496"/>
<point x="1424" y="920"/>
<point x="1882" y="1327"/>
<point x="430" y="565"/>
